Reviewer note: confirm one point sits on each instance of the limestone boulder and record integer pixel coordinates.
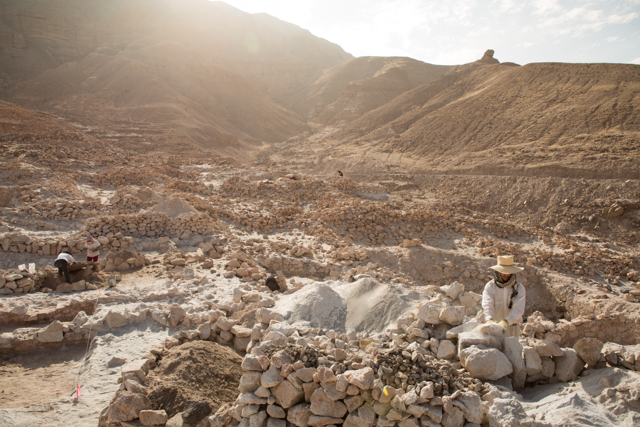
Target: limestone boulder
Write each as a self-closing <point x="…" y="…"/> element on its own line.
<point x="322" y="405"/>
<point x="255" y="363"/>
<point x="469" y="299"/>
<point x="276" y="411"/>
<point x="453" y="290"/>
<point x="471" y="406"/>
<point x="287" y="394"/>
<point x="139" y="367"/>
<point x="250" y="381"/>
<point x="455" y="418"/>
<point x="430" y="313"/>
<point x="485" y="363"/>
<point x="514" y="352"/>
<point x="354" y="420"/>
<point x="446" y="350"/>
<point x="362" y="378"/>
<point x="153" y="418"/>
<point x="126" y="406"/>
<point x="452" y="315"/>
<point x="589" y="350"/>
<point x="271" y="377"/>
<point x="115" y="319"/>
<point x="276" y="422"/>
<point x="176" y="314"/>
<point x="51" y="333"/>
<point x="569" y="366"/>
<point x="318" y="421"/>
<point x="547" y="348"/>
<point x="532" y="361"/>
<point x="298" y="415"/>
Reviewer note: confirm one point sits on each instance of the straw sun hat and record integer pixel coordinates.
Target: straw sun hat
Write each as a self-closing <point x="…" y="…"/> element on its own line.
<point x="506" y="266"/>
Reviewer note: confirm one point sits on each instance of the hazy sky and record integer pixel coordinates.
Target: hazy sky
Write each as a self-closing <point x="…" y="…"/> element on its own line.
<point x="451" y="32"/>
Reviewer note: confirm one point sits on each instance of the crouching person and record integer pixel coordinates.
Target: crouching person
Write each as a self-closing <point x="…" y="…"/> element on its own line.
<point x="62" y="263"/>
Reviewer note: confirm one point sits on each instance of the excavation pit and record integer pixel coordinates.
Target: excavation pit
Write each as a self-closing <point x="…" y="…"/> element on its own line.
<point x="38" y="376"/>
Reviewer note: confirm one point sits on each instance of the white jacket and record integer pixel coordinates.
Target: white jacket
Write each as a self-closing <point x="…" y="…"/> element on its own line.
<point x="92" y="248"/>
<point x="65" y="256"/>
<point x="495" y="303"/>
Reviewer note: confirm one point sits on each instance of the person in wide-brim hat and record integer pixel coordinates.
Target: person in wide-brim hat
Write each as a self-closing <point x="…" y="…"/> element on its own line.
<point x="503" y="298"/>
<point x="505" y="265"/>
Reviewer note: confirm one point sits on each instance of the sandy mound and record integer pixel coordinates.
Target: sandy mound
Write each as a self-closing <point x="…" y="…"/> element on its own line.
<point x="317" y="304"/>
<point x="372" y="306"/>
<point x="600" y="397"/>
<point x="364" y="305"/>
<point x="175" y="208"/>
<point x="198" y="370"/>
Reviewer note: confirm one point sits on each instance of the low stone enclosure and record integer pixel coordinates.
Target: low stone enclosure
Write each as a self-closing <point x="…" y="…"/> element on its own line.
<point x="437" y="366"/>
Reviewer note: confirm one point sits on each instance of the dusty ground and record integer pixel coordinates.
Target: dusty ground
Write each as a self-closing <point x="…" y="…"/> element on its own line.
<point x="38" y="376"/>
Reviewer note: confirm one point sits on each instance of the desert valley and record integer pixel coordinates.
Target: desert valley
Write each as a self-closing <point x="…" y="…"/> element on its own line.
<point x="213" y="153"/>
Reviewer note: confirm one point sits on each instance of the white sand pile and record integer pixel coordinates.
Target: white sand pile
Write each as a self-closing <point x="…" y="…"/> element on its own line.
<point x="364" y="305"/>
<point x="317" y="305"/>
<point x="600" y="397"/>
<point x="175" y="208"/>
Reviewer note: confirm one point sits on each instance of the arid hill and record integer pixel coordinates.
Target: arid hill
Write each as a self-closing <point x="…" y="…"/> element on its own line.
<point x="348" y="90"/>
<point x="161" y="71"/>
<point x="27" y="127"/>
<point x="539" y="119"/>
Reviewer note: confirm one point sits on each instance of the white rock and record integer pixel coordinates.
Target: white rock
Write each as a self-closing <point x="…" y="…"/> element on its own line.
<point x="51" y="333"/>
<point x="430" y="313"/>
<point x="514" y="352"/>
<point x="453" y="315"/>
<point x="485" y="363"/>
<point x="453" y="290"/>
<point x="569" y="366"/>
<point x="446" y="350"/>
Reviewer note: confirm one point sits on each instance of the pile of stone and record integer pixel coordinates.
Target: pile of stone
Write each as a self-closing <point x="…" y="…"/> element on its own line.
<point x="349" y="186"/>
<point x="608" y="328"/>
<point x="152" y="225"/>
<point x="242" y="266"/>
<point x="123" y="260"/>
<point x="429" y="370"/>
<point x="43" y="280"/>
<point x="62" y="210"/>
<point x="21" y="243"/>
<point x="19" y="283"/>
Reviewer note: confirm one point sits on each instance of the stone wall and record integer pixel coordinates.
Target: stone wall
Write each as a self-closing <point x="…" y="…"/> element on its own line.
<point x="152" y="225"/>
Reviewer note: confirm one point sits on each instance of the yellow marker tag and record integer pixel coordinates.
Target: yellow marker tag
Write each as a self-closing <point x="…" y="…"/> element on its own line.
<point x="385" y="391"/>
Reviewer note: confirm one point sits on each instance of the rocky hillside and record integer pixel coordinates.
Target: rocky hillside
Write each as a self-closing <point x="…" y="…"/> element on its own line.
<point x="144" y="71"/>
<point x="348" y="90"/>
<point x="538" y="119"/>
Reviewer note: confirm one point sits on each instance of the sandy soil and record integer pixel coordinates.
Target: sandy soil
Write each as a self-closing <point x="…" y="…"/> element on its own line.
<point x="39" y="376"/>
<point x="199" y="370"/>
<point x="98" y="382"/>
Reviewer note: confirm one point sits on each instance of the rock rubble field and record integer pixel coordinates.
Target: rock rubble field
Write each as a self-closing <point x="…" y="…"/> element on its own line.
<point x="375" y="319"/>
